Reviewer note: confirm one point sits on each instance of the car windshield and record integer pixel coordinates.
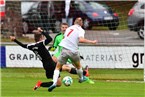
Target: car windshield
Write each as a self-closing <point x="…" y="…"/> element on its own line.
<point x="99" y="6"/>
<point x="84" y="6"/>
<point x="95" y="5"/>
<point x="90" y="6"/>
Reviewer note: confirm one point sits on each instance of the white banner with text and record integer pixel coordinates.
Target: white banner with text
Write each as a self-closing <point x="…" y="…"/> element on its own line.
<point x="94" y="57"/>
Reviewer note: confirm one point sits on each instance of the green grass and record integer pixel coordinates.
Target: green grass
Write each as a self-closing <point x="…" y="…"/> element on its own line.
<point x="18" y="82"/>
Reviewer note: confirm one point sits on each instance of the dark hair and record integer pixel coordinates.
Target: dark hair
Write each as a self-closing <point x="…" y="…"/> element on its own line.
<point x="77" y="20"/>
<point x="37" y="37"/>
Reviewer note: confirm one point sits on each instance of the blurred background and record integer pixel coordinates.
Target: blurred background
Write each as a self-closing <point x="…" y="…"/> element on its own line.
<point x="22" y="17"/>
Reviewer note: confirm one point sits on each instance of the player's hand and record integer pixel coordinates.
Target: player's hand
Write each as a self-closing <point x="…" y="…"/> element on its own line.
<point x="94" y="41"/>
<point x="12" y="38"/>
<point x="39" y="29"/>
<point x="51" y="49"/>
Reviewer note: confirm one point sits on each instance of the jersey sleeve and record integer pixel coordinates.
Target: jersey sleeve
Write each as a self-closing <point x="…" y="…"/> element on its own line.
<point x="20" y="43"/>
<point x="48" y="38"/>
<point x="82" y="33"/>
<point x="56" y="42"/>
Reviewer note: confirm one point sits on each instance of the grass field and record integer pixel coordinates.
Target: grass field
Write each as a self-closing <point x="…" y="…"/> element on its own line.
<point x="18" y="82"/>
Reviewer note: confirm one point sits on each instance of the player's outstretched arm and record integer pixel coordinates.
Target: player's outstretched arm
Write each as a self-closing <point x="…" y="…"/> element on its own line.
<point x="83" y="40"/>
<point x="48" y="37"/>
<point x="13" y="38"/>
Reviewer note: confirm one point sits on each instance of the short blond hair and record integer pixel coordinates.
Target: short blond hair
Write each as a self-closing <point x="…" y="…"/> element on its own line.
<point x="64" y="24"/>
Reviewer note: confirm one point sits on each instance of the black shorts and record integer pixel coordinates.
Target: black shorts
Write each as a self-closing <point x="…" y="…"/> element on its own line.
<point x="50" y="71"/>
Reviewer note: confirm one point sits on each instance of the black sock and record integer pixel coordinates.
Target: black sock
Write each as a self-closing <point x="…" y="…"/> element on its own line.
<point x="46" y="84"/>
<point x="74" y="71"/>
<point x="84" y="72"/>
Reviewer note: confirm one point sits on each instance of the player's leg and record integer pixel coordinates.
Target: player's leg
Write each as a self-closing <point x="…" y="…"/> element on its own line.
<point x="72" y="70"/>
<point x="55" y="77"/>
<point x="87" y="71"/>
<point x="61" y="61"/>
<point x="56" y="73"/>
<point x="59" y="83"/>
<point x="46" y="84"/>
<point x="79" y="71"/>
<point x="49" y="74"/>
<point x="42" y="84"/>
<point x="75" y="58"/>
<point x="69" y="69"/>
<point x="54" y="59"/>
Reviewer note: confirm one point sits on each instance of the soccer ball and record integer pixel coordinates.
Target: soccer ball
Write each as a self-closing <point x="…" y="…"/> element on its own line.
<point x="67" y="81"/>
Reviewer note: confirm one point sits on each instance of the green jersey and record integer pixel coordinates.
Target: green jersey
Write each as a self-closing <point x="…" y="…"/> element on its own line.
<point x="56" y="42"/>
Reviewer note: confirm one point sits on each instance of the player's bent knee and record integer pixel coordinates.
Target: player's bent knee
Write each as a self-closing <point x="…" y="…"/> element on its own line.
<point x="66" y="68"/>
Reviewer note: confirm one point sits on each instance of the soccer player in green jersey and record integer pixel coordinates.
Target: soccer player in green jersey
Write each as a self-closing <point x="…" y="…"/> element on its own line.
<point x="57" y="40"/>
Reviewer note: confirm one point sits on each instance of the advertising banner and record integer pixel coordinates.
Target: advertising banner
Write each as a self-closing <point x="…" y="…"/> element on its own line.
<point x="94" y="57"/>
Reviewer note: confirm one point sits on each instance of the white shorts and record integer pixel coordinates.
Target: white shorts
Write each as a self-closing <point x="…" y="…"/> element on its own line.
<point x="68" y="54"/>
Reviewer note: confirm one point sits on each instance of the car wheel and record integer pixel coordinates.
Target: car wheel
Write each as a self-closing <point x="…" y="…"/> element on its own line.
<point x="57" y="26"/>
<point x="141" y="32"/>
<point x="87" y="24"/>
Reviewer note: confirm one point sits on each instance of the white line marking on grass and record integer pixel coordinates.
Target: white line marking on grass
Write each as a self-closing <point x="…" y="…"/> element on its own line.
<point x="125" y="81"/>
